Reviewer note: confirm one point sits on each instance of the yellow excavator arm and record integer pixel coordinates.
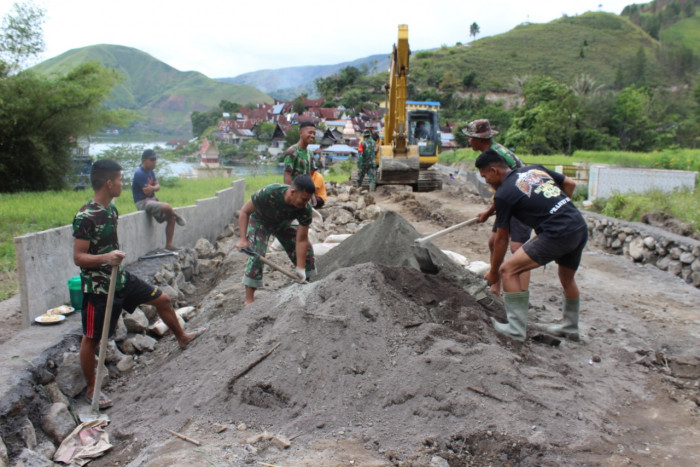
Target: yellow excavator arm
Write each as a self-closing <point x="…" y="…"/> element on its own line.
<point x="395" y="132"/>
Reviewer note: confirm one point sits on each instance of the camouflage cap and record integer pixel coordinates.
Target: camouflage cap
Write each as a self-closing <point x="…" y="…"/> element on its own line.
<point x="367" y="133"/>
<point x="479" y="129"/>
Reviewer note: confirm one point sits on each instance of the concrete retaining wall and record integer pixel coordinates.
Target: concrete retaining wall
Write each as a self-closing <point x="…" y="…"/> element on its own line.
<point x="45" y="259"/>
<point x="604" y="181"/>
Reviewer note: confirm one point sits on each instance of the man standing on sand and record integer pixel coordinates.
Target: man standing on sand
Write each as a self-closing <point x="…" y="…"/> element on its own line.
<point x="540" y="199"/>
<point x="366" y="161"/>
<point x="481" y="140"/>
<point x="270" y="211"/>
<point x="143" y="187"/>
<point x="96" y="252"/>
<point x="297" y="158"/>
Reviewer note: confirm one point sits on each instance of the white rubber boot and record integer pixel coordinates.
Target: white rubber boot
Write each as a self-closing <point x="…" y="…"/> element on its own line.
<point x="516" y="304"/>
<point x="569" y="325"/>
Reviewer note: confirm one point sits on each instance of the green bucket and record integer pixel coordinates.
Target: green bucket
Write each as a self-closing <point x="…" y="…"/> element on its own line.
<point x="76" y="292"/>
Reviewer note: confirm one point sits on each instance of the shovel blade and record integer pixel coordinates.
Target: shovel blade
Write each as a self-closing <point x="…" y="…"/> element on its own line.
<point x="425" y="261"/>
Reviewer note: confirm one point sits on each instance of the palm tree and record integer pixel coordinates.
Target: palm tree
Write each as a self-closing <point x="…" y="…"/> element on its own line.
<point x="474" y="30"/>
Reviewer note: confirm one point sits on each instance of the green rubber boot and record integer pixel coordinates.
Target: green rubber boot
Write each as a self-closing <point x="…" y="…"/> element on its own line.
<point x="569" y="325"/>
<point x="371" y="187"/>
<point x="516" y="304"/>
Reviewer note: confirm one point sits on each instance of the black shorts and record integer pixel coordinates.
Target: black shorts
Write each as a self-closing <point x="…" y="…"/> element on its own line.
<point x="565" y="251"/>
<point x="519" y="232"/>
<point x="134" y="293"/>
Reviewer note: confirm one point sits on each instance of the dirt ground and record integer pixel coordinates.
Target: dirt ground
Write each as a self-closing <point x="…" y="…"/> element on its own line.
<point x="378" y="364"/>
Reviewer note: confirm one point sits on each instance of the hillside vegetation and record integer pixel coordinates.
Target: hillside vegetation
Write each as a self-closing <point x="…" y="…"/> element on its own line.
<point x="164" y="95"/>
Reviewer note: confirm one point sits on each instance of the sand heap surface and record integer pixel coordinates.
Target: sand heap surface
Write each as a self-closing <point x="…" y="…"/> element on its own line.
<point x="406" y="363"/>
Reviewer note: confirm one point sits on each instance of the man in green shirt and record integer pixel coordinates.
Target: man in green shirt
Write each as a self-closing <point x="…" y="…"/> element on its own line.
<point x="297" y="159"/>
<point x="270" y="212"/>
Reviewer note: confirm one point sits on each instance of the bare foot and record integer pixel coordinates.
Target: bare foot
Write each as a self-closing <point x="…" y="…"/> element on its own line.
<point x="189" y="337"/>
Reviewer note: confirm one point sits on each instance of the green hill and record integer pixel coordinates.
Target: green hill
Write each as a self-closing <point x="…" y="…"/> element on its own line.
<point x="164" y="95"/>
<point x="594" y="43"/>
<point x="685" y="33"/>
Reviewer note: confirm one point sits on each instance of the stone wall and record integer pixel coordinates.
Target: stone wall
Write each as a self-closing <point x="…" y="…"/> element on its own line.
<point x="45" y="259"/>
<point x="646" y="244"/>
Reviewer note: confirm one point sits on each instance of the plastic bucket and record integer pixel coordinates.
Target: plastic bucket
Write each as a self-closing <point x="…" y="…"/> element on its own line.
<point x="76" y="292"/>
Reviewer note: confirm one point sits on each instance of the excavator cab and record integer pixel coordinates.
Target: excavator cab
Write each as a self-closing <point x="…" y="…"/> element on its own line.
<point x="423" y="132"/>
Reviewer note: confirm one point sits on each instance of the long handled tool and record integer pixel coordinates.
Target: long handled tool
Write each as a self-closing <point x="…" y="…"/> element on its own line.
<point x="425" y="261"/>
<point x="272" y="265"/>
<point x="94" y="413"/>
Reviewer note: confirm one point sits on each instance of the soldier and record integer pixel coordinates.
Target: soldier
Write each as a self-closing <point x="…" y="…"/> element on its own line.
<point x="96" y="251"/>
<point x="366" y="161"/>
<point x="297" y="159"/>
<point x="270" y="211"/>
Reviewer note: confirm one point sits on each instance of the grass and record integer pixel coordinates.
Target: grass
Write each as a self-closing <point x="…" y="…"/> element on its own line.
<point x="23" y="213"/>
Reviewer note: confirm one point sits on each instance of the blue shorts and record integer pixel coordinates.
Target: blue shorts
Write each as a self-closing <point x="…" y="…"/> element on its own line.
<point x="565" y="251"/>
<point x="519" y="232"/>
<point x="134" y="293"/>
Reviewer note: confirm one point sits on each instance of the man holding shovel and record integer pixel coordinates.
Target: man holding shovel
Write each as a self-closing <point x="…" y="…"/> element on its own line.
<point x="96" y="251"/>
<point x="540" y="199"/>
<point x="270" y="211"/>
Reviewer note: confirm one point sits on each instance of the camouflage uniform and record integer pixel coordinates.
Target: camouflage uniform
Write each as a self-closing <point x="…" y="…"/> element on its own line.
<point x="98" y="224"/>
<point x="511" y="159"/>
<point x="366" y="161"/>
<point x="274" y="217"/>
<point x="297" y="161"/>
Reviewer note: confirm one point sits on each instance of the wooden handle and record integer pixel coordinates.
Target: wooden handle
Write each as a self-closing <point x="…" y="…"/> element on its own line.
<point x="103" y="340"/>
<point x="440" y="233"/>
<point x="280" y="269"/>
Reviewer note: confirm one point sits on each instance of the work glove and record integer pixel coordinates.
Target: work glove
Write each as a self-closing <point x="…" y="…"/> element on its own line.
<point x="300" y="273"/>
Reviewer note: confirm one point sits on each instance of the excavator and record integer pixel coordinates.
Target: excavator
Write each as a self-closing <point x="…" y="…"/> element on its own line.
<point x="409" y="145"/>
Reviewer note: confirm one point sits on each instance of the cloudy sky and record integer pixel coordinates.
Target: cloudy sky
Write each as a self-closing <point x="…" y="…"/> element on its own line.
<point x="224" y="38"/>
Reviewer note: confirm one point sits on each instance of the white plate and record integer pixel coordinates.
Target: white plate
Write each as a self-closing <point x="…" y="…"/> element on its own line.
<point x="62" y="310"/>
<point x="42" y="319"/>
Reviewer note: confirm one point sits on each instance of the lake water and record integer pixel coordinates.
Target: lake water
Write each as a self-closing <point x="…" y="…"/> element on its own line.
<point x="175" y="169"/>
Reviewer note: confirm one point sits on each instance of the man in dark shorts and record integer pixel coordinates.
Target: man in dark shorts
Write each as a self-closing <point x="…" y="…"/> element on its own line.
<point x="96" y="251"/>
<point x="144" y="186"/>
<point x="481" y="140"/>
<point x="298" y="157"/>
<point x="270" y="211"/>
<point x="540" y="199"/>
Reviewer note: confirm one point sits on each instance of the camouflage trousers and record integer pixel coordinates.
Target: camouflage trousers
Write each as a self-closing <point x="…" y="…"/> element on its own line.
<point x="258" y="237"/>
<point x="367" y="169"/>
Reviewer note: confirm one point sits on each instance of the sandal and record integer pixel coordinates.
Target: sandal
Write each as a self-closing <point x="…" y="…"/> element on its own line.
<point x="104" y="402"/>
<point x="197" y="332"/>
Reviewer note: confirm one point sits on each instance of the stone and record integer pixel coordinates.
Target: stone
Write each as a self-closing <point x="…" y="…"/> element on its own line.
<point x="126" y="363"/>
<point x="144" y="343"/>
<point x="120" y="331"/>
<point x="55" y="394"/>
<point x="58" y="422"/>
<point x="695" y="265"/>
<point x="616" y="243"/>
<point x="180" y="280"/>
<point x="70" y="375"/>
<point x="695" y="278"/>
<point x="437" y="461"/>
<point x="663" y="263"/>
<point x="29" y="458"/>
<point x="46" y="449"/>
<point x="622" y="236"/>
<point x="27" y="433"/>
<point x="205" y="266"/>
<point x="136" y="322"/>
<point x="371" y="213"/>
<point x="675" y="252"/>
<point x="204" y="248"/>
<point x="343" y="197"/>
<point x="687" y="257"/>
<point x="649" y="257"/>
<point x="636" y="249"/>
<point x="113" y="353"/>
<point x="650" y="242"/>
<point x="167" y="276"/>
<point x="150" y="311"/>
<point x="685" y="274"/>
<point x="4" y="457"/>
<point x="172" y="293"/>
<point x="675" y="267"/>
<point x="685" y="366"/>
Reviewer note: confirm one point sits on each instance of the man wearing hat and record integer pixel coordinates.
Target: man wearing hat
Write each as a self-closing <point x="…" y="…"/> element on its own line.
<point x="366" y="160"/>
<point x="481" y="140"/>
<point x="144" y="186"/>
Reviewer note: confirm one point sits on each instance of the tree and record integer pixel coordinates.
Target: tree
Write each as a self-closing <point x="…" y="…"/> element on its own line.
<point x="21" y="37"/>
<point x="474" y="30"/>
<point x="229" y="107"/>
<point x="201" y="121"/>
<point x="265" y="130"/>
<point x="292" y="136"/>
<point x="632" y="122"/>
<point x="298" y="106"/>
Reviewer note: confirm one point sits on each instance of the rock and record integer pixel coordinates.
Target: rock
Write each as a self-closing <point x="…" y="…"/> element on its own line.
<point x="29" y="458"/>
<point x="120" y="331"/>
<point x="204" y="248"/>
<point x="205" y="266"/>
<point x="136" y="322"/>
<point x="341" y="217"/>
<point x="695" y="278"/>
<point x="371" y="213"/>
<point x="649" y="242"/>
<point x="687" y="366"/>
<point x="663" y="263"/>
<point x="126" y="363"/>
<point x="58" y="422"/>
<point x="127" y="346"/>
<point x="167" y="276"/>
<point x="187" y="312"/>
<point x="636" y="249"/>
<point x="675" y="267"/>
<point x="27" y="433"/>
<point x="437" y="461"/>
<point x="150" y="311"/>
<point x="280" y="442"/>
<point x="46" y="449"/>
<point x="143" y="343"/>
<point x="55" y="394"/>
<point x="343" y="197"/>
<point x="695" y="265"/>
<point x="172" y="293"/>
<point x="4" y="458"/>
<point x="687" y="257"/>
<point x="70" y="375"/>
<point x="113" y="353"/>
<point x="675" y="252"/>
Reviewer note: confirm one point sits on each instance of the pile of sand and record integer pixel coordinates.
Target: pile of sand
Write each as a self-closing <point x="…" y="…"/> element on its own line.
<point x="375" y="350"/>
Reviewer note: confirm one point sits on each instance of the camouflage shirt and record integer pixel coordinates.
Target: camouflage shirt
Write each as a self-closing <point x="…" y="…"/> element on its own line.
<point x="511" y="159"/>
<point x="367" y="152"/>
<point x="297" y="161"/>
<point x="274" y="212"/>
<point x="98" y="224"/>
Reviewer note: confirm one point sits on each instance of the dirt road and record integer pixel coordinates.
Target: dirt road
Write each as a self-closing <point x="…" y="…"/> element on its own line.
<point x="379" y="366"/>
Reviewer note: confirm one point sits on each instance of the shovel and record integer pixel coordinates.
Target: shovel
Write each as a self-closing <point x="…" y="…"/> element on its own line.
<point x="272" y="265"/>
<point x="425" y="261"/>
<point x="94" y="411"/>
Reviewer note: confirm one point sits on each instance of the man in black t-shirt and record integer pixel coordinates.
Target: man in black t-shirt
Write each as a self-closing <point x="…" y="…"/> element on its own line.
<point x="540" y="199"/>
